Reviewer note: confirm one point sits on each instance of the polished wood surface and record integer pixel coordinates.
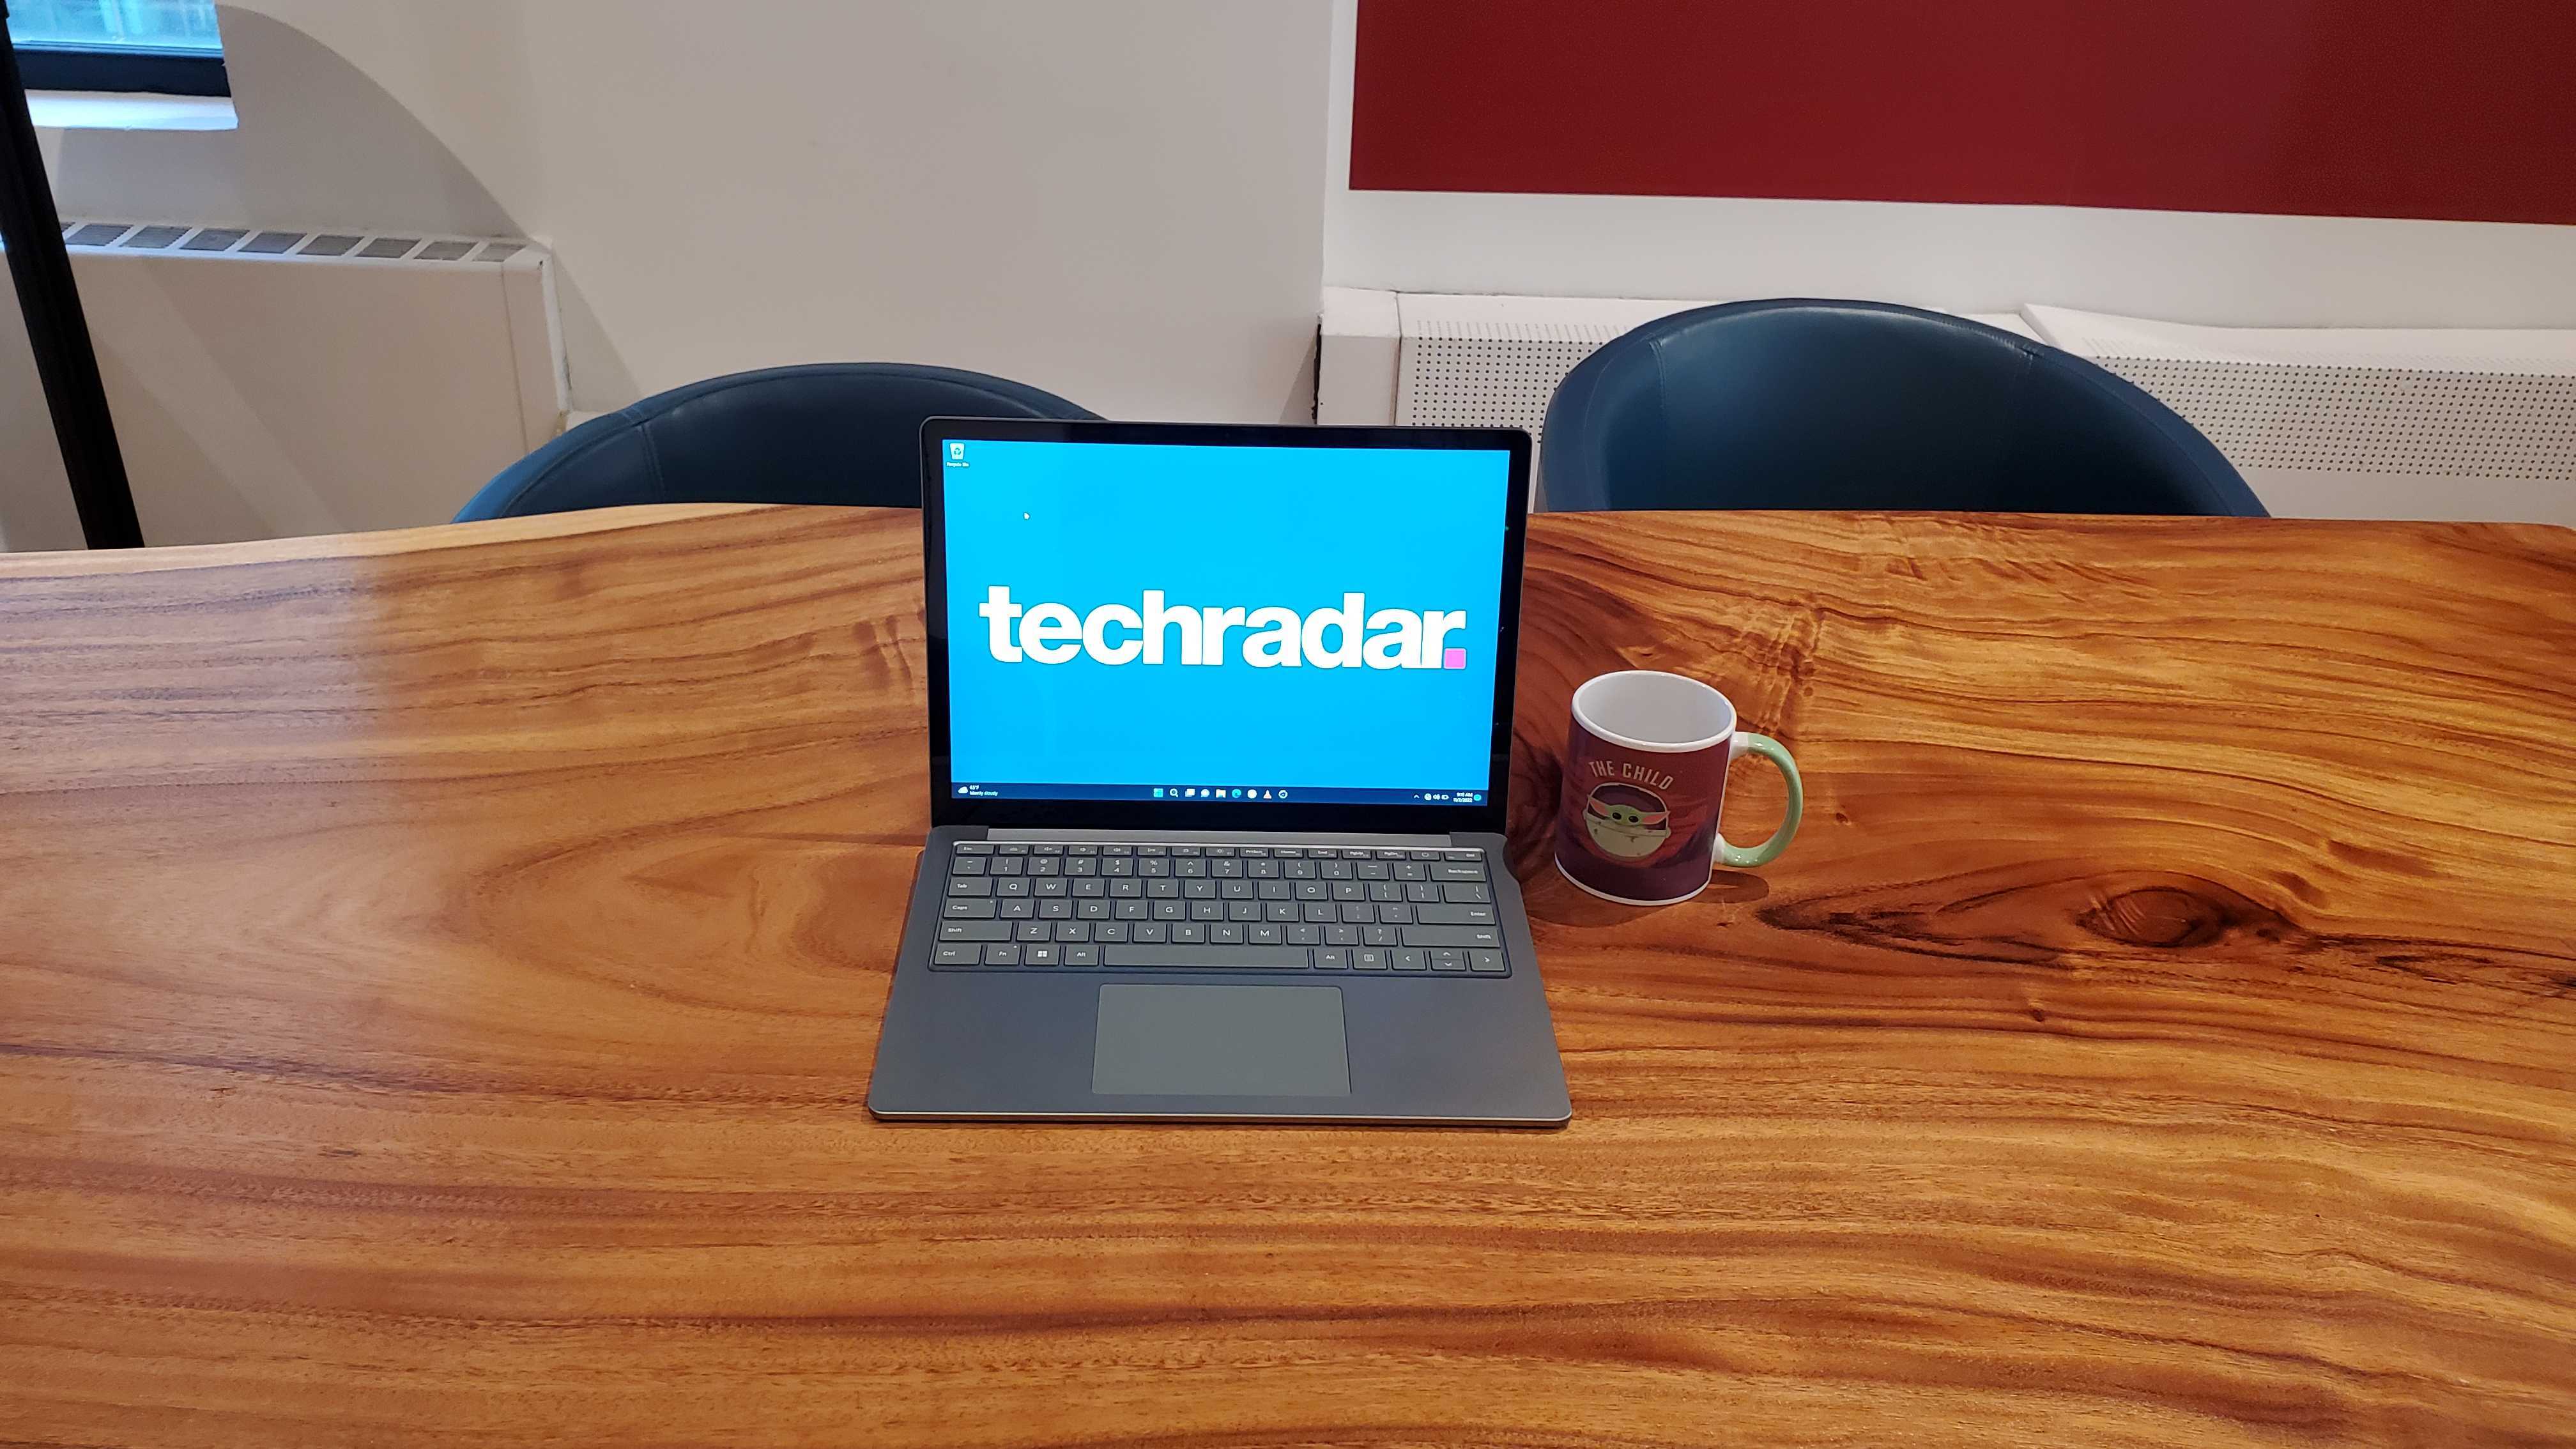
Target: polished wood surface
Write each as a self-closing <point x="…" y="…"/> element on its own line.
<point x="439" y="972"/>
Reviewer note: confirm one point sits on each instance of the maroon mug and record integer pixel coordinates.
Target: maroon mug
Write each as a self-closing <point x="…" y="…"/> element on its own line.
<point x="1645" y="775"/>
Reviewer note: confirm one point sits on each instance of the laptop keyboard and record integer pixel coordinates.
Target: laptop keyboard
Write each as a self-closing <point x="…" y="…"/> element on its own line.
<point x="1019" y="906"/>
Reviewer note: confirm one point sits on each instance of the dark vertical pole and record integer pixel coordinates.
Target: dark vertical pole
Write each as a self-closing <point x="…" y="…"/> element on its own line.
<point x="65" y="362"/>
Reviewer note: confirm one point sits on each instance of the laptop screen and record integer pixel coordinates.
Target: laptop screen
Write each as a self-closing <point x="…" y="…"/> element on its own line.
<point x="1202" y="623"/>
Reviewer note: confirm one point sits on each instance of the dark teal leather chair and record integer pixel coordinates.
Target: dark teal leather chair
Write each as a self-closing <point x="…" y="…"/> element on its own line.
<point x="831" y="432"/>
<point x="1826" y="404"/>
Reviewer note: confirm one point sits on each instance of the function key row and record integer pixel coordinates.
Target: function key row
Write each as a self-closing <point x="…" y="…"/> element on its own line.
<point x="1399" y="959"/>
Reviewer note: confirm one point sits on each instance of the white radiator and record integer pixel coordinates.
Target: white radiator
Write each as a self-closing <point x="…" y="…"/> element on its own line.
<point x="272" y="383"/>
<point x="2322" y="422"/>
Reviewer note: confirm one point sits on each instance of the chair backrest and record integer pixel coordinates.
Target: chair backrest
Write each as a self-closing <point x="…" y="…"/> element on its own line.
<point x="1826" y="404"/>
<point x="832" y="432"/>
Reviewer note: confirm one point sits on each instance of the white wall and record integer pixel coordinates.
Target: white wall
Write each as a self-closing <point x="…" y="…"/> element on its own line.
<point x="2218" y="270"/>
<point x="1118" y="200"/>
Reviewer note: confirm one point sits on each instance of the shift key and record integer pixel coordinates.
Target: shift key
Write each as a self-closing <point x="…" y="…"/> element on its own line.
<point x="1488" y="936"/>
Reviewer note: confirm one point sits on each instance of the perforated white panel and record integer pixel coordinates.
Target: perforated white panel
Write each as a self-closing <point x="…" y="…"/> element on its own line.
<point x="2370" y="419"/>
<point x="1490" y="374"/>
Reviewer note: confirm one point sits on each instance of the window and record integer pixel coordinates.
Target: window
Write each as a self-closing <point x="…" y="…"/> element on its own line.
<point x="169" y="46"/>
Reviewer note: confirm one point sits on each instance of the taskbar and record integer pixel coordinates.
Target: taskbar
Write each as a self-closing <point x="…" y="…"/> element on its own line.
<point x="1219" y="794"/>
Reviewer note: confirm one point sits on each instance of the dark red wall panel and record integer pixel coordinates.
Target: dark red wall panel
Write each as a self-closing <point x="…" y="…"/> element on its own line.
<point x="2453" y="109"/>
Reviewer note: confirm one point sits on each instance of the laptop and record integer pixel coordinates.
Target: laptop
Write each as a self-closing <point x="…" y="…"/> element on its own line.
<point x="1220" y="727"/>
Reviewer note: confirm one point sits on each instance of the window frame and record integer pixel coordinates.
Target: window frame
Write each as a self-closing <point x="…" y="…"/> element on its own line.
<point x="151" y="70"/>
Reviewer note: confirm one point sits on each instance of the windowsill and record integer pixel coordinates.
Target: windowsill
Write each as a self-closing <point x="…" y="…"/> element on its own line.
<point x="129" y="111"/>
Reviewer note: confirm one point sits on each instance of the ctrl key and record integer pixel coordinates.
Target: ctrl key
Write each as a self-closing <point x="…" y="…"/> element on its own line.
<point x="955" y="955"/>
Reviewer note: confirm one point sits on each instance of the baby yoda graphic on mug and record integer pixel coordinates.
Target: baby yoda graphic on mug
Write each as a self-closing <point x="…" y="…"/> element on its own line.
<point x="1645" y="775"/>
<point x="1627" y="822"/>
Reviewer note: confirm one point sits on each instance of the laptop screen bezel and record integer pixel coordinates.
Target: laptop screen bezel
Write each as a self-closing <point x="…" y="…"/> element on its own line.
<point x="946" y="809"/>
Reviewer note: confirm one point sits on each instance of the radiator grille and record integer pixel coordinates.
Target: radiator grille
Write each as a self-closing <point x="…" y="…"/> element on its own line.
<point x="1488" y="374"/>
<point x="127" y="236"/>
<point x="2370" y="419"/>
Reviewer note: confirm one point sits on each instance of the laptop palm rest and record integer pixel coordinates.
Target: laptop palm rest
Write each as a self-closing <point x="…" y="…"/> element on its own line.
<point x="1220" y="1041"/>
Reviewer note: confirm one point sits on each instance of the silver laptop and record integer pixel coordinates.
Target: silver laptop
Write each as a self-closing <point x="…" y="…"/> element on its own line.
<point x="1220" y="725"/>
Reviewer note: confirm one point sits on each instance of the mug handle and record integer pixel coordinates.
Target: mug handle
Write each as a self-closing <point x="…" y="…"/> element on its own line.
<point x="1746" y="743"/>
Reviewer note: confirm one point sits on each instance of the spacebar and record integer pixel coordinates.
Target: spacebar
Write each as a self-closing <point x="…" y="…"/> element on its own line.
<point x="1213" y="958"/>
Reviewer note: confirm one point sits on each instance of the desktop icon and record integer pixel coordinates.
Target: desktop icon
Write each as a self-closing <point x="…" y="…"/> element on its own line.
<point x="956" y="452"/>
<point x="1158" y="792"/>
<point x="1190" y="792"/>
<point x="1283" y="794"/>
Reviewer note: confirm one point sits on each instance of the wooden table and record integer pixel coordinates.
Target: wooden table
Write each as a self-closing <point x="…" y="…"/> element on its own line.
<point x="439" y="972"/>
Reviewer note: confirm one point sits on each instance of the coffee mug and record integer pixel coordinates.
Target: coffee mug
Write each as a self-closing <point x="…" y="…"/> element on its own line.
<point x="1645" y="773"/>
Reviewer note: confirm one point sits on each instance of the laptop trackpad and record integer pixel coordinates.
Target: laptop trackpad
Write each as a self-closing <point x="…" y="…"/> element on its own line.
<point x="1220" y="1041"/>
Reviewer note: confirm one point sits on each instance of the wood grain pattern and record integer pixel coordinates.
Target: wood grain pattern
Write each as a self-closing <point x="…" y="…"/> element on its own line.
<point x="438" y="973"/>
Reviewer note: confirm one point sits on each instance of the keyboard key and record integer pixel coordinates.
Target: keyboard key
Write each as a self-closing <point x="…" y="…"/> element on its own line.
<point x="1287" y="852"/>
<point x="1332" y="958"/>
<point x="1454" y="915"/>
<point x="1359" y="913"/>
<point x="1170" y="910"/>
<point x="1001" y="955"/>
<point x="1262" y="869"/>
<point x="1085" y="867"/>
<point x="1163" y="890"/>
<point x="1198" y="890"/>
<point x="1385" y="890"/>
<point x="967" y="885"/>
<point x="1206" y="910"/>
<point x="1395" y="913"/>
<point x="1407" y="959"/>
<point x="1207" y="958"/>
<point x="1190" y="933"/>
<point x="1422" y="855"/>
<point x="1012" y="886"/>
<point x="1341" y="935"/>
<point x="1300" y="870"/>
<point x="1012" y="849"/>
<point x="969" y="865"/>
<point x="1488" y="936"/>
<point x="1421" y="891"/>
<point x="1304" y="935"/>
<point x="974" y="847"/>
<point x="966" y="910"/>
<point x="1073" y="930"/>
<point x="1224" y="933"/>
<point x="1336" y="870"/>
<point x="1448" y="958"/>
<point x="1147" y="932"/>
<point x="1462" y="854"/>
<point x="1226" y="869"/>
<point x="966" y="955"/>
<point x="1153" y="850"/>
<point x="1033" y="931"/>
<point x="1055" y="910"/>
<point x="1046" y="865"/>
<point x="1487" y="963"/>
<point x="1268" y="935"/>
<point x="1019" y="909"/>
<point x="1058" y="887"/>
<point x="1188" y="850"/>
<point x="1460" y="893"/>
<point x="1082" y="955"/>
<point x="1196" y="869"/>
<point x="1457" y="870"/>
<point x="1117" y="850"/>
<point x="1047" y="849"/>
<point x="974" y="930"/>
<point x="1378" y="935"/>
<point x="1275" y="890"/>
<point x="1082" y="850"/>
<point x="1283" y="910"/>
<point x="1091" y="910"/>
<point x="1234" y="890"/>
<point x="1037" y="955"/>
<point x="1128" y="910"/>
<point x="1390" y="854"/>
<point x="1090" y="888"/>
<point x="1220" y="850"/>
<point x="1126" y="890"/>
<point x="1115" y="867"/>
<point x="1349" y="890"/>
<point x="1109" y="931"/>
<point x="1413" y="870"/>
<point x="1368" y="958"/>
<point x="1376" y="870"/>
<point x="1318" y="913"/>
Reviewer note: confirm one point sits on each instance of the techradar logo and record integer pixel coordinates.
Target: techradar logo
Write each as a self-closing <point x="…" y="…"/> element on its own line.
<point x="1273" y="638"/>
